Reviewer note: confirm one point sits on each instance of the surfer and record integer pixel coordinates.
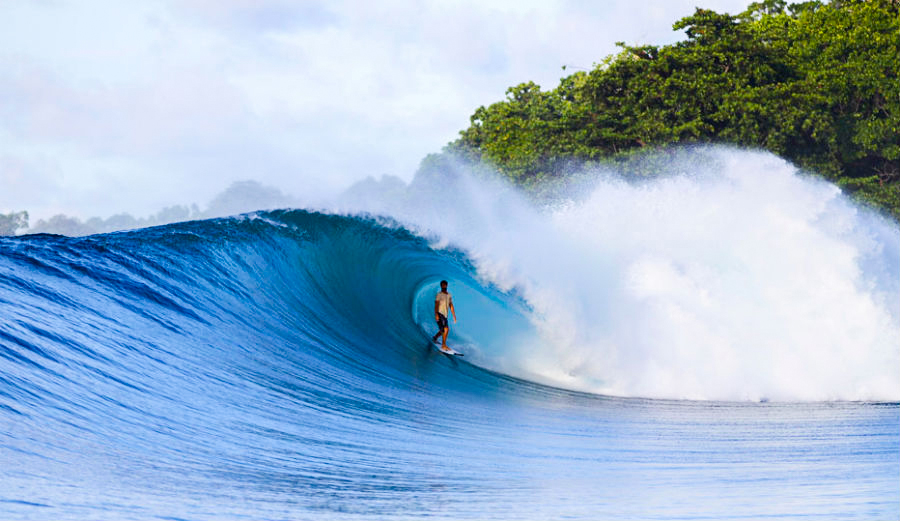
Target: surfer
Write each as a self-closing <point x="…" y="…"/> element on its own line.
<point x="442" y="302"/>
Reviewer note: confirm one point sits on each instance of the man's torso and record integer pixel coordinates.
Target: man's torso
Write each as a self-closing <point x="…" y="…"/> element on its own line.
<point x="443" y="301"/>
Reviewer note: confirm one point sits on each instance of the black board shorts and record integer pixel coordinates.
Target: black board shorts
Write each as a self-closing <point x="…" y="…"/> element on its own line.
<point x="442" y="322"/>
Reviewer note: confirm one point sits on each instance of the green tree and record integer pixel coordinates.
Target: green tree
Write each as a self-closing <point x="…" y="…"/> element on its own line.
<point x="814" y="82"/>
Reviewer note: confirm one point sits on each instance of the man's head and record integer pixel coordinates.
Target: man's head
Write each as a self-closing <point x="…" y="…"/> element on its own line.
<point x="443" y="285"/>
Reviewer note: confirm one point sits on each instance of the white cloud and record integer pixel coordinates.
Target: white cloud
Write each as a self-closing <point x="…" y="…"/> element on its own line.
<point x="111" y="106"/>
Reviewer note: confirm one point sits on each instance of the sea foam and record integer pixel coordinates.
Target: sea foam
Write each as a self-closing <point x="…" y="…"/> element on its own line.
<point x="731" y="277"/>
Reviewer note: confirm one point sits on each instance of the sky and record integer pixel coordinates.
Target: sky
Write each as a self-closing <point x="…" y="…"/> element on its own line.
<point x="109" y="106"/>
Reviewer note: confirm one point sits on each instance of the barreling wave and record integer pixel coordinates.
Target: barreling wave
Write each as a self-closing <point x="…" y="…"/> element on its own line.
<point x="712" y="287"/>
<point x="280" y="362"/>
<point x="729" y="276"/>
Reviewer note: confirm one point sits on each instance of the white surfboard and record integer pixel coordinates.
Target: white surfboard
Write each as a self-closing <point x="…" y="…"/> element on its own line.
<point x="449" y="351"/>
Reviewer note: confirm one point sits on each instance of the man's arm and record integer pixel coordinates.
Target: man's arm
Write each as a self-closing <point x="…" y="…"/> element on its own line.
<point x="453" y="310"/>
<point x="436" y="317"/>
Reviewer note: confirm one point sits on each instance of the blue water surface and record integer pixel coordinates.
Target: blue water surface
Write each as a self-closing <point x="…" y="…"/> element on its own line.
<point x="278" y="366"/>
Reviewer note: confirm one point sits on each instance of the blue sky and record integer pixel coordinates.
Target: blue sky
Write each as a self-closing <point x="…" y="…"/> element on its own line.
<point x="110" y="106"/>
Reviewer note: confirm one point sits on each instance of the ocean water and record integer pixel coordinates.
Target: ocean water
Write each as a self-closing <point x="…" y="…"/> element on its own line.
<point x="719" y="343"/>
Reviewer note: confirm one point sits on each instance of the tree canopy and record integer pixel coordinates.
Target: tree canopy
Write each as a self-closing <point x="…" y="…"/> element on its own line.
<point x="814" y="82"/>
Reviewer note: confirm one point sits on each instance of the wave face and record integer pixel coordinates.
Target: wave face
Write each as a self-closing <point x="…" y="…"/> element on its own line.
<point x="279" y="362"/>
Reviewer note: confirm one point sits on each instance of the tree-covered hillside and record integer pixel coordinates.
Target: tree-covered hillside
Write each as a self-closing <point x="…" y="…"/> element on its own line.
<point x="815" y="82"/>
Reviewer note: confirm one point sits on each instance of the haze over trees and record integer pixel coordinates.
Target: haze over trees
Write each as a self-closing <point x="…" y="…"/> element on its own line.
<point x="814" y="82"/>
<point x="13" y="222"/>
<point x="239" y="197"/>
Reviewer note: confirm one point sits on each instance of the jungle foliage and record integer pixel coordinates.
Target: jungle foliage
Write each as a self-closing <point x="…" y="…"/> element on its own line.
<point x="814" y="82"/>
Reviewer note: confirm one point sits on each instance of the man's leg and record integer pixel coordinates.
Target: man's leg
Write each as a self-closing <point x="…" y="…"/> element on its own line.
<point x="446" y="332"/>
<point x="441" y="324"/>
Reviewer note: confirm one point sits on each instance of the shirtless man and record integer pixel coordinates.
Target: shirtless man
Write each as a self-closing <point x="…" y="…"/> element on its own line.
<point x="442" y="302"/>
